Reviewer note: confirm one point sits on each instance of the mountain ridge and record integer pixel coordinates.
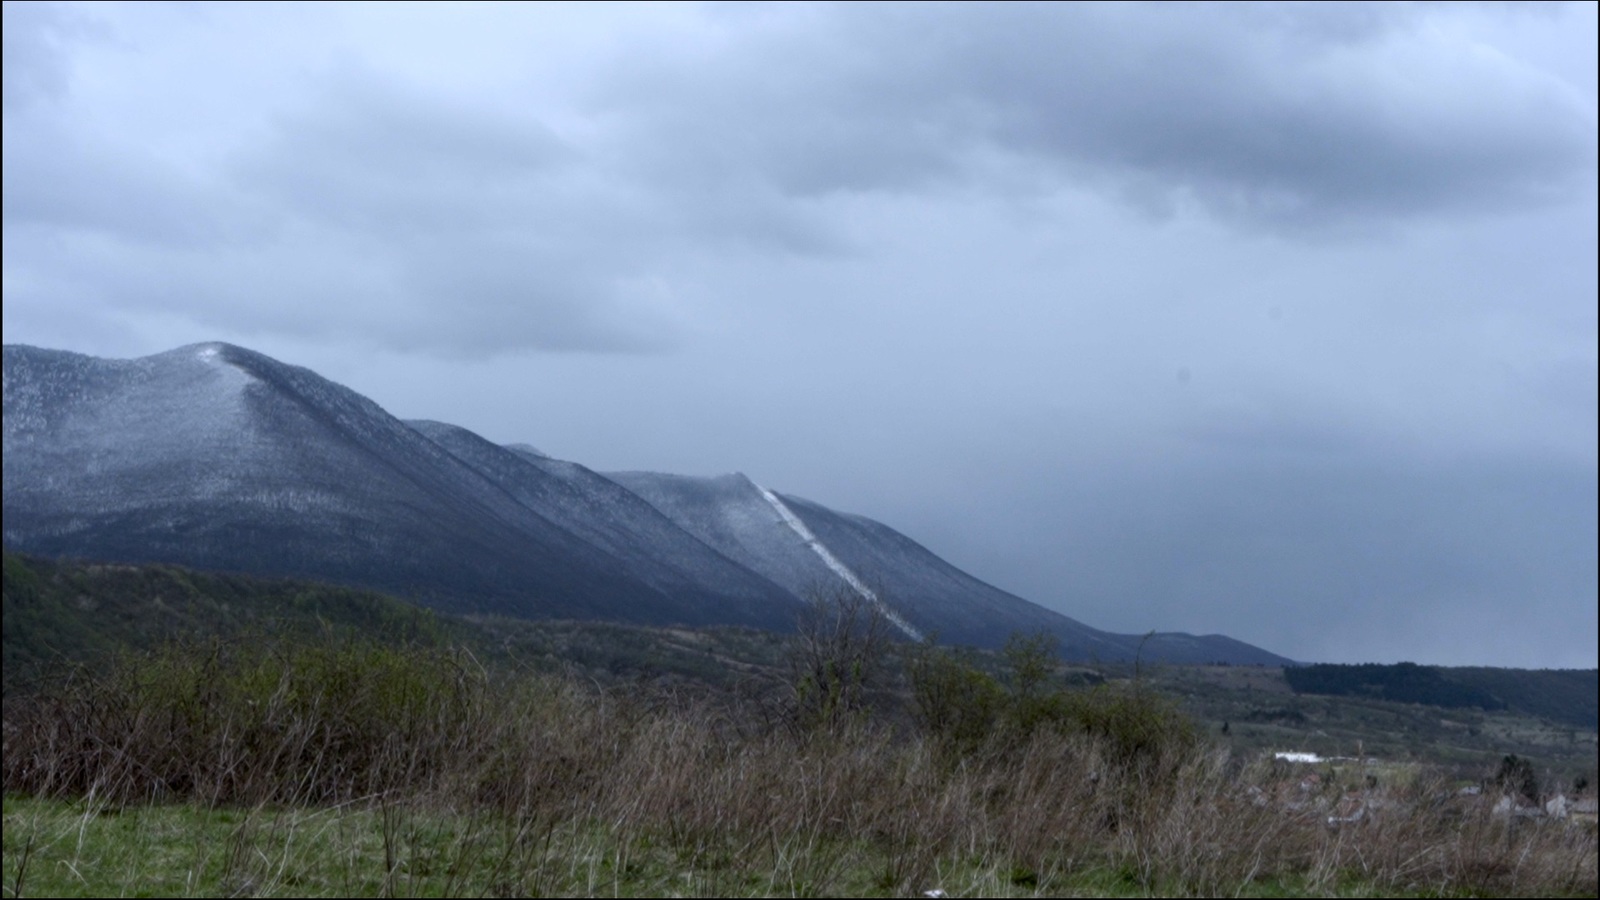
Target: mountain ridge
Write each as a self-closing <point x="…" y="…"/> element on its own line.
<point x="216" y="456"/>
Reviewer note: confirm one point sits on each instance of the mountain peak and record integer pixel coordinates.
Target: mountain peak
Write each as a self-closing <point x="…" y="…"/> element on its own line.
<point x="207" y="349"/>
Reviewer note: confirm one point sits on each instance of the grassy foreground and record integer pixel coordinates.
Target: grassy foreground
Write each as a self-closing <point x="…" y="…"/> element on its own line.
<point x="63" y="849"/>
<point x="345" y="769"/>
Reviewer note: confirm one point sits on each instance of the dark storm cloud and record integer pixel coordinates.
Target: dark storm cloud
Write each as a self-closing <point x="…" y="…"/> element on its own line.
<point x="1264" y="116"/>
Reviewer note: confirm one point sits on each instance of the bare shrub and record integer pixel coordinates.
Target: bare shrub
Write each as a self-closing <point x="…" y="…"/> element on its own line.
<point x="246" y="722"/>
<point x="1065" y="792"/>
<point x="836" y="654"/>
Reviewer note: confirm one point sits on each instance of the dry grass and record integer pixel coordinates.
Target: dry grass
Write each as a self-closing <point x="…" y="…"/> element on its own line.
<point x="549" y="786"/>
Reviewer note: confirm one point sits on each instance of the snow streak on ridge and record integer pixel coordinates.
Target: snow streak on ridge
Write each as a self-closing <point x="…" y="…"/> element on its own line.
<point x="833" y="562"/>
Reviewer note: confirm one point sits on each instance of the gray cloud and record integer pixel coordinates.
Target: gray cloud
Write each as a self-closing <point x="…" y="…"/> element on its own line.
<point x="58" y="180"/>
<point x="475" y="227"/>
<point x="36" y="64"/>
<point x="1265" y="117"/>
<point x="484" y="229"/>
<point x="374" y="156"/>
<point x="61" y="175"/>
<point x="412" y="221"/>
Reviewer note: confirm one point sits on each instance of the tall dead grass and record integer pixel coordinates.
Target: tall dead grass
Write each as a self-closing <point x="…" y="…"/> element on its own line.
<point x="1063" y="800"/>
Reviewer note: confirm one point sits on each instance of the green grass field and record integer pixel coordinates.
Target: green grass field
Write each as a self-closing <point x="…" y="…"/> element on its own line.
<point x="76" y="849"/>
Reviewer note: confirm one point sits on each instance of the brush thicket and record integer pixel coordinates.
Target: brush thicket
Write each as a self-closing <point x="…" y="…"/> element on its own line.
<point x="1039" y="789"/>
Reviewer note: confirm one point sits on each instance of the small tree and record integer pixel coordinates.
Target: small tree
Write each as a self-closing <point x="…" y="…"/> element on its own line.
<point x="1032" y="660"/>
<point x="953" y="699"/>
<point x="1515" y="776"/>
<point x="837" y="651"/>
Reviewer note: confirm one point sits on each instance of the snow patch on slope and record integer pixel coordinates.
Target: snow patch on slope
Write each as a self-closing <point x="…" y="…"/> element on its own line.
<point x="832" y="562"/>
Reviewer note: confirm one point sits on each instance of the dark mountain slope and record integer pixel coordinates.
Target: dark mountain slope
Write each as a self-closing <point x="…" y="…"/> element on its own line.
<point x="942" y="598"/>
<point x="730" y="514"/>
<point x="218" y="457"/>
<point x="744" y="521"/>
<point x="607" y="515"/>
<point x="937" y="596"/>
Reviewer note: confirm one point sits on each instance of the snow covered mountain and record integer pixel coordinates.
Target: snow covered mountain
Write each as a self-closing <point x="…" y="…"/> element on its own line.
<point x="638" y="538"/>
<point x="815" y="547"/>
<point x="218" y="457"/>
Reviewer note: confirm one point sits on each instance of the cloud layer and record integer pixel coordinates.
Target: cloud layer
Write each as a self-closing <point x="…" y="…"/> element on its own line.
<point x="478" y="227"/>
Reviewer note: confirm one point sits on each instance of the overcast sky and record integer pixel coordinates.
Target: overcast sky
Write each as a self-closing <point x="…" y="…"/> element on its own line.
<point x="1273" y="321"/>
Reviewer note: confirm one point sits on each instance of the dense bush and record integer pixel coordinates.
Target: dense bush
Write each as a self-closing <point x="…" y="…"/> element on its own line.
<point x="248" y="721"/>
<point x="954" y="701"/>
<point x="969" y="710"/>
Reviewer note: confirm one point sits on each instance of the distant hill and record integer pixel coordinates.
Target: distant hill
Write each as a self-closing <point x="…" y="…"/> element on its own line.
<point x="220" y="458"/>
<point x="67" y="611"/>
<point x="1568" y="696"/>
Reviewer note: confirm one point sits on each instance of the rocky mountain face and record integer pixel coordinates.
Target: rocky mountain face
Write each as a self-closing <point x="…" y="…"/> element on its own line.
<point x="218" y="457"/>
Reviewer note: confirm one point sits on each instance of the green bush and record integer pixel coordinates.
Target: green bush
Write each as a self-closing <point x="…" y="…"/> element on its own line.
<point x="967" y="709"/>
<point x="1140" y="728"/>
<point x="955" y="702"/>
<point x="245" y="721"/>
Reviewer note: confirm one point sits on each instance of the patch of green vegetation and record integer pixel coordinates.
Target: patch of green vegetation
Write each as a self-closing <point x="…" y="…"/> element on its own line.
<point x="968" y="709"/>
<point x="61" y="848"/>
<point x="61" y="612"/>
